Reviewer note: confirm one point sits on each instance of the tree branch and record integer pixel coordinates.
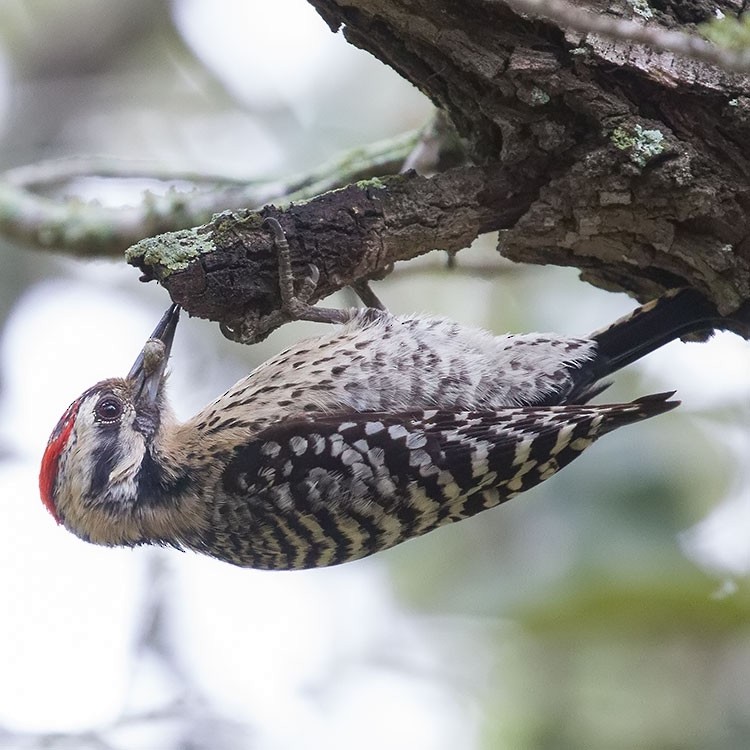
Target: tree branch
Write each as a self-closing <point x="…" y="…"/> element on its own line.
<point x="627" y="163"/>
<point x="30" y="214"/>
<point x="227" y="269"/>
<point x="568" y="16"/>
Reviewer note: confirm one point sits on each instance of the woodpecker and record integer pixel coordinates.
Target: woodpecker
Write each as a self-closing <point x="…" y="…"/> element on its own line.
<point x="344" y="445"/>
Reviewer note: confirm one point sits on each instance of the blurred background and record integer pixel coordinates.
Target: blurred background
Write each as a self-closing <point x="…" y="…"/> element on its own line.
<point x="608" y="608"/>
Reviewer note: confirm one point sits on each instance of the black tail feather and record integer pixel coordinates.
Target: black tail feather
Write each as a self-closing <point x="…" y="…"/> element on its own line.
<point x="676" y="314"/>
<point x="639" y="409"/>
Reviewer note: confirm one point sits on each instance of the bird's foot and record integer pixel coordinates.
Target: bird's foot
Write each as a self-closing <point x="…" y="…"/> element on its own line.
<point x="295" y="304"/>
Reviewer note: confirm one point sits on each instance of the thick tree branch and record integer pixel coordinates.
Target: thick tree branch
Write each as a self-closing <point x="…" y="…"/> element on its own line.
<point x="592" y="151"/>
<point x="641" y="155"/>
<point x="227" y="270"/>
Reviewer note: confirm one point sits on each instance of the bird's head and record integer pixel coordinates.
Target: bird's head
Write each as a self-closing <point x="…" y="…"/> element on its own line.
<point x="98" y="461"/>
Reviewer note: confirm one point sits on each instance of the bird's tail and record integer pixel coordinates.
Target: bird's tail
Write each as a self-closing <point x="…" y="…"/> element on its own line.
<point x="677" y="313"/>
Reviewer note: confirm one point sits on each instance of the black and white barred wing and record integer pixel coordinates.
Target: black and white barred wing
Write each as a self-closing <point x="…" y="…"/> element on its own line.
<point x="324" y="490"/>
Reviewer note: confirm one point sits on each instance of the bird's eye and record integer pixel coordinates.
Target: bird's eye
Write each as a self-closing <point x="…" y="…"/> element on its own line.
<point x="109" y="409"/>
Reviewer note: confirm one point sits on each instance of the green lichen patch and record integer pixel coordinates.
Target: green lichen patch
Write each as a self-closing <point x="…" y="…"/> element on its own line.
<point x="373" y="182"/>
<point x="224" y="229"/>
<point x="641" y="8"/>
<point x="167" y="253"/>
<point x="642" y="145"/>
<point x="538" y="97"/>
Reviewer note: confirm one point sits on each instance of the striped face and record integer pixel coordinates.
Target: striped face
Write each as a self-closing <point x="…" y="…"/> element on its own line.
<point x="91" y="464"/>
<point x="98" y="468"/>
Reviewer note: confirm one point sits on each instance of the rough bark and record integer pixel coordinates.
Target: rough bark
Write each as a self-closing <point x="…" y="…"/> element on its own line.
<point x="641" y="158"/>
<point x="629" y="164"/>
<point x="228" y="268"/>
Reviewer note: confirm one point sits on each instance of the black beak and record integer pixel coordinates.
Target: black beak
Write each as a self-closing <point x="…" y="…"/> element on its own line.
<point x="147" y="373"/>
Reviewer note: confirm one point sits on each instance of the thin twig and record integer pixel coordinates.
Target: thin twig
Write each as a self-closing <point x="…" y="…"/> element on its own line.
<point x="584" y="21"/>
<point x="34" y="211"/>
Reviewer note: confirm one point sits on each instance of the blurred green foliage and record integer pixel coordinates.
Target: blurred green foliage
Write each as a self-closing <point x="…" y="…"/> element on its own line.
<point x="730" y="32"/>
